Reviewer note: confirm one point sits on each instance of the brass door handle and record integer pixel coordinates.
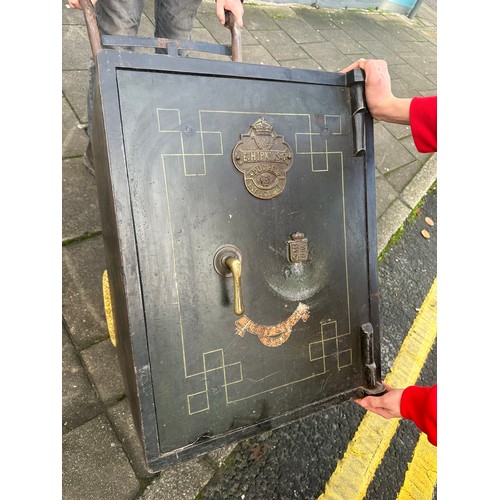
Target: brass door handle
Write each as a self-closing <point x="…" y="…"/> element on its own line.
<point x="234" y="265"/>
<point x="227" y="262"/>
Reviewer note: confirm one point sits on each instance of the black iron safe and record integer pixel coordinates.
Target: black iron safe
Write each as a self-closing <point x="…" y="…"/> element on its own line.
<point x="238" y="218"/>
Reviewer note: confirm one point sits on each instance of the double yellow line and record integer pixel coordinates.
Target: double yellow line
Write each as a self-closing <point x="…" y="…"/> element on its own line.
<point x="355" y="471"/>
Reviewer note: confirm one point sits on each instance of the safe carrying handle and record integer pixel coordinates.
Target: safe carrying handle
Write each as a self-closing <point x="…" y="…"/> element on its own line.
<point x="92" y="28"/>
<point x="236" y="53"/>
<point x="96" y="41"/>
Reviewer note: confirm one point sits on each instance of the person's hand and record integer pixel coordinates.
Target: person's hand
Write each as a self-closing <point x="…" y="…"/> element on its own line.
<point x="234" y="6"/>
<point x="381" y="102"/>
<point x="387" y="405"/>
<point x="75" y="4"/>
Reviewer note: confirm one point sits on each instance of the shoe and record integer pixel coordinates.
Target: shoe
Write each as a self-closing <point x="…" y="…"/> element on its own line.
<point x="88" y="159"/>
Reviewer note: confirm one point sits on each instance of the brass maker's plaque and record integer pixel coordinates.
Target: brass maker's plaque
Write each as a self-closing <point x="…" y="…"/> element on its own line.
<point x="264" y="158"/>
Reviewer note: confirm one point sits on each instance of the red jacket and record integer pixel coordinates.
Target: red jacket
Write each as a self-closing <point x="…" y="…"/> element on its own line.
<point x="423" y="123"/>
<point x="420" y="403"/>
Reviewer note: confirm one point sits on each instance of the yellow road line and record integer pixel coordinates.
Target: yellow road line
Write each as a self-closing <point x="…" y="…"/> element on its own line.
<point x="421" y="475"/>
<point x="355" y="471"/>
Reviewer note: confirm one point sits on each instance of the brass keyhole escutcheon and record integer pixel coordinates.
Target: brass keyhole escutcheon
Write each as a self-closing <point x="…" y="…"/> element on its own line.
<point x="227" y="262"/>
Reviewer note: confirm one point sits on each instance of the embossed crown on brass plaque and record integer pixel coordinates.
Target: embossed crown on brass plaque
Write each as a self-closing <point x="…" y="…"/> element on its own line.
<point x="238" y="220"/>
<point x="264" y="158"/>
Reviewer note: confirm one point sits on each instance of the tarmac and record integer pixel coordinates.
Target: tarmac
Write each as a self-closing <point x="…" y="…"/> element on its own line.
<point x="101" y="452"/>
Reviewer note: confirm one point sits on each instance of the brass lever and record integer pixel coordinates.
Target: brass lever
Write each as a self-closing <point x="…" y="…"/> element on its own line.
<point x="234" y="265"/>
<point x="227" y="262"/>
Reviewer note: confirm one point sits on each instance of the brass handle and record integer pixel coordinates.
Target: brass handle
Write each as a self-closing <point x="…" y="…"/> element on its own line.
<point x="92" y="28"/>
<point x="227" y="262"/>
<point x="230" y="23"/>
<point x="234" y="265"/>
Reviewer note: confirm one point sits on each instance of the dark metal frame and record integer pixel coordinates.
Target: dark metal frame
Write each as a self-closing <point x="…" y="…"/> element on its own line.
<point x="97" y="42"/>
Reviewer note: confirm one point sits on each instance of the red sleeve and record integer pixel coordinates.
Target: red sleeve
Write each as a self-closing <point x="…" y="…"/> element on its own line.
<point x="423" y="123"/>
<point x="420" y="405"/>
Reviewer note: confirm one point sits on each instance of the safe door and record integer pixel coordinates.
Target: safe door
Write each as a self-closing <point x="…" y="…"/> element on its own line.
<point x="238" y="217"/>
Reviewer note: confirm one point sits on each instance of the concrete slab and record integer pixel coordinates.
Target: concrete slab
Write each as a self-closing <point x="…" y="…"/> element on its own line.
<point x="413" y="77"/>
<point x="389" y="223"/>
<point x="80" y="209"/>
<point x="256" y="18"/>
<point x="345" y="43"/>
<point x="94" y="464"/>
<point x="389" y="154"/>
<point x="280" y="45"/>
<point x="386" y="194"/>
<point x="74" y="87"/>
<point x="327" y="56"/>
<point x="402" y="176"/>
<point x="299" y="30"/>
<point x="183" y="481"/>
<point x="121" y="418"/>
<point x="318" y="19"/>
<point x="74" y="139"/>
<point x="76" y="45"/>
<point x="101" y="362"/>
<point x="70" y="16"/>
<point x="420" y="183"/>
<point x="80" y="402"/>
<point x="259" y="55"/>
<point x="379" y="50"/>
<point x="82" y="305"/>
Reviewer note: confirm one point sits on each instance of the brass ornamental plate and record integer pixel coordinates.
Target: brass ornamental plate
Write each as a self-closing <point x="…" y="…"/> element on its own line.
<point x="297" y="248"/>
<point x="264" y="158"/>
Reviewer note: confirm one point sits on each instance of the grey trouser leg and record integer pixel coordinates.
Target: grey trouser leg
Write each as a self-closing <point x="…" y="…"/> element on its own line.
<point x="173" y="19"/>
<point x="114" y="17"/>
